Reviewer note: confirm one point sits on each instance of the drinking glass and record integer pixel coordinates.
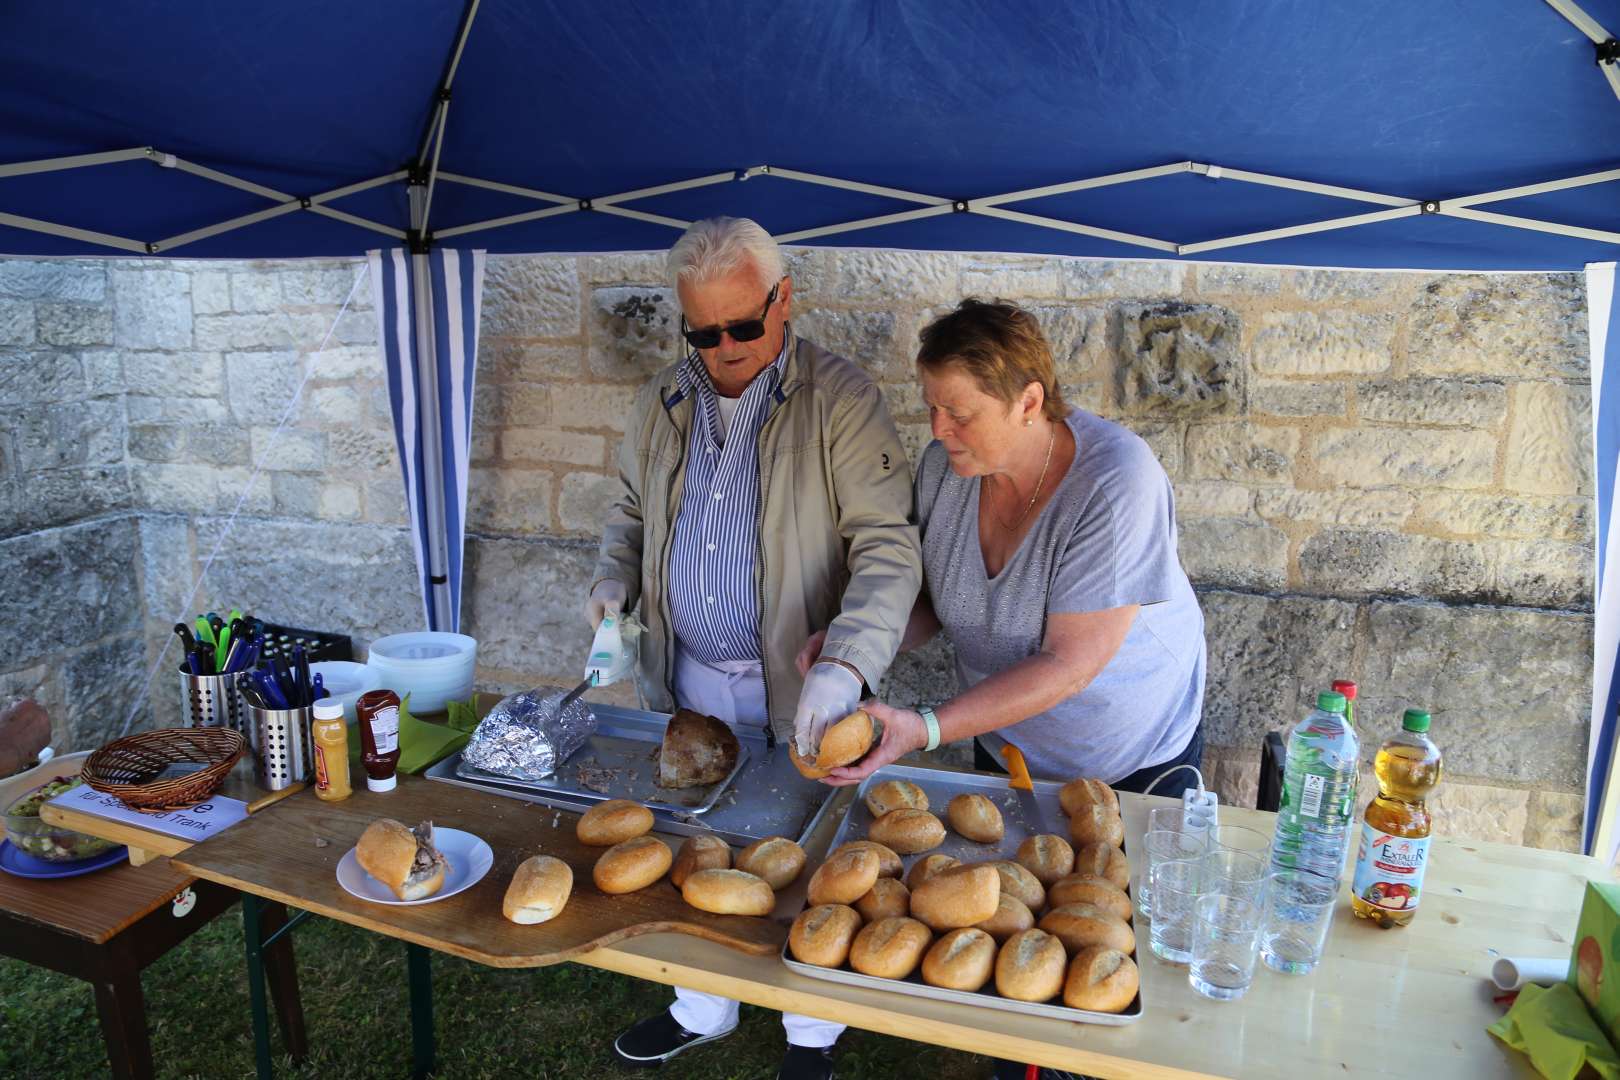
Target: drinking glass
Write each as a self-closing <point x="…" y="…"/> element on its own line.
<point x="1225" y="944"/>
<point x="1244" y="839"/>
<point x="1298" y="912"/>
<point x="1163" y="845"/>
<point x="1176" y="884"/>
<point x="1234" y="873"/>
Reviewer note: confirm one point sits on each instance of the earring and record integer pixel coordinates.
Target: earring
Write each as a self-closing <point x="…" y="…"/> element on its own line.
<point x="1028" y="423"/>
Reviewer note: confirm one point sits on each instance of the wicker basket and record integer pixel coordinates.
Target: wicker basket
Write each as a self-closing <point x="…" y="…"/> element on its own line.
<point x="124" y="768"/>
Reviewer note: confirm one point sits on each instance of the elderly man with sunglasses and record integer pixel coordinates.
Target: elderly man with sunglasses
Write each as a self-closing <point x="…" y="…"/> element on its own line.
<point x="764" y="496"/>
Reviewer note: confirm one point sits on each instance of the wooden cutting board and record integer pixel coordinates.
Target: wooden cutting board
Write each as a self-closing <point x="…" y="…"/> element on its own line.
<point x="276" y="853"/>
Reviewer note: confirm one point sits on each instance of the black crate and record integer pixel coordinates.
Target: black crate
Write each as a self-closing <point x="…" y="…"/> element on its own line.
<point x="318" y="645"/>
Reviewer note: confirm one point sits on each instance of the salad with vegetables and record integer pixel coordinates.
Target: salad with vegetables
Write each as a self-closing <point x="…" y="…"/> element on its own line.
<point x="33" y="836"/>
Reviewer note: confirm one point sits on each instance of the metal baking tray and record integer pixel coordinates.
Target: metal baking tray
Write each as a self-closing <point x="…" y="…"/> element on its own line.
<point x="622" y="760"/>
<point x="940" y="786"/>
<point x="764" y="796"/>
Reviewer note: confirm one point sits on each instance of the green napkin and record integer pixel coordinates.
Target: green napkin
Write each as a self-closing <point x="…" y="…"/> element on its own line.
<point x="1552" y="1027"/>
<point x="421" y="743"/>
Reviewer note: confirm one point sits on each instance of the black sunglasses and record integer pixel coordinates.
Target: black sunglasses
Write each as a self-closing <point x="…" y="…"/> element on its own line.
<point x="747" y="330"/>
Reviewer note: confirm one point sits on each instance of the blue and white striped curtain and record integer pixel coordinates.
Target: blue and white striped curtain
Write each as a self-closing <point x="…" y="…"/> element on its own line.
<point x="429" y="336"/>
<point x="1602" y="834"/>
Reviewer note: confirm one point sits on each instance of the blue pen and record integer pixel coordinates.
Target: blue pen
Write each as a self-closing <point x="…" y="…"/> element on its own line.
<point x="319" y="688"/>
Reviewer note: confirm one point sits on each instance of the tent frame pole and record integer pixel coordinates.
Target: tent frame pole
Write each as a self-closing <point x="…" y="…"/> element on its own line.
<point x="427" y="393"/>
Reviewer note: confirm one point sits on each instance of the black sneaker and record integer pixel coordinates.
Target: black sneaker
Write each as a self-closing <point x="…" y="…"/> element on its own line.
<point x="806" y="1063"/>
<point x="656" y="1039"/>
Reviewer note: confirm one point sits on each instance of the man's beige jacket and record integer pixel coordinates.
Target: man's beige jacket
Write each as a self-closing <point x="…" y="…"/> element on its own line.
<point x="837" y="543"/>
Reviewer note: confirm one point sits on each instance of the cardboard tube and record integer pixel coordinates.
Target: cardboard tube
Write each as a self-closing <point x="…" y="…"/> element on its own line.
<point x="1512" y="972"/>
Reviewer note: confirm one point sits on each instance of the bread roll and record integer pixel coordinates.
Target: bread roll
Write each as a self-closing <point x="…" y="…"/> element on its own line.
<point x="1096" y="891"/>
<point x="960" y="896"/>
<point x="889" y="897"/>
<point x="822" y="935"/>
<point x="613" y="822"/>
<point x="893" y="795"/>
<point x="402" y="859"/>
<point x="699" y="853"/>
<point x="1101" y="980"/>
<point x="845" y="877"/>
<point x="927" y="866"/>
<point x="776" y="859"/>
<point x="976" y="818"/>
<point x="1097" y="825"/>
<point x="1081" y="925"/>
<point x="1105" y="861"/>
<point x="1018" y="881"/>
<point x="1010" y="918"/>
<point x="728" y="892"/>
<point x="1077" y="793"/>
<point x="908" y="831"/>
<point x="963" y="959"/>
<point x="1046" y="856"/>
<point x="1030" y="967"/>
<point x="889" y="948"/>
<point x="539" y="890"/>
<point x="844" y="742"/>
<point x="889" y="864"/>
<point x="634" y="864"/>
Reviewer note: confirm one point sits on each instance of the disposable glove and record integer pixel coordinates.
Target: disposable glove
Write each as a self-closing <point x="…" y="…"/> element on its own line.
<point x="831" y="692"/>
<point x="606" y="599"/>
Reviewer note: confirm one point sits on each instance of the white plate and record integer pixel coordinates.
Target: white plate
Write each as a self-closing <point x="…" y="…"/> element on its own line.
<point x="469" y="858"/>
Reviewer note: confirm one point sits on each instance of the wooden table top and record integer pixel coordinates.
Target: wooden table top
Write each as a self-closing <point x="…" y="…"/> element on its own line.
<point x="1412" y="1002"/>
<point x="277" y="855"/>
<point x="93" y="906"/>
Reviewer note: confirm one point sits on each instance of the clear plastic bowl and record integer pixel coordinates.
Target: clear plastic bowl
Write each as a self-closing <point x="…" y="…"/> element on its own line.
<point x="345" y="681"/>
<point x="32" y="835"/>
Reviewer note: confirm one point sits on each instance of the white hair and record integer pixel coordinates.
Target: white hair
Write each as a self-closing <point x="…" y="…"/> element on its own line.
<point x="718" y="246"/>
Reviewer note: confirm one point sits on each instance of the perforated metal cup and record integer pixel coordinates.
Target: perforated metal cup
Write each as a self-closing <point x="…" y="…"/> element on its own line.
<point x="281" y="746"/>
<point x="214" y="701"/>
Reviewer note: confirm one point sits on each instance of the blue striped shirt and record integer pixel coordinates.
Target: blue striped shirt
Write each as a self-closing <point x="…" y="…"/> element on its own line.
<point x="714" y="606"/>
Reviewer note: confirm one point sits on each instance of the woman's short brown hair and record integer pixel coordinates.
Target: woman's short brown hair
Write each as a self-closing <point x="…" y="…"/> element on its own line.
<point x="1000" y="345"/>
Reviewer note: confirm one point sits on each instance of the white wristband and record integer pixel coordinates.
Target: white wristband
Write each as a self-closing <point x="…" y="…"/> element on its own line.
<point x="931" y="721"/>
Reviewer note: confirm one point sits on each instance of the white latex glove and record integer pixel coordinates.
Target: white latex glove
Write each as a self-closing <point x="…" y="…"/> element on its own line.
<point x="831" y="692"/>
<point x="606" y="599"/>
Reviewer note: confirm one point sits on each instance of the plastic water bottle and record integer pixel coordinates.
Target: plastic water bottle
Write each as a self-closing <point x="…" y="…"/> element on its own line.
<point x="1319" y="791"/>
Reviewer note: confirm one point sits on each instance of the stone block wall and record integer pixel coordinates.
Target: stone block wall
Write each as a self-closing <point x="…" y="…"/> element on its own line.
<point x="1381" y="476"/>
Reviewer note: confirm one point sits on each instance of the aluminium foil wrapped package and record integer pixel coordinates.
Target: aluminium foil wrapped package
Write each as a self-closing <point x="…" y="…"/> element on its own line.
<point x="526" y="738"/>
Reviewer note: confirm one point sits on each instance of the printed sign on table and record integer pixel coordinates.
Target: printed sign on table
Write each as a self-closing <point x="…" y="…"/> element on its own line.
<point x="193" y="823"/>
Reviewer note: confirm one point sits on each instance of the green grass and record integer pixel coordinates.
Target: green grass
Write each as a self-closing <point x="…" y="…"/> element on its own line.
<point x="551" y="1023"/>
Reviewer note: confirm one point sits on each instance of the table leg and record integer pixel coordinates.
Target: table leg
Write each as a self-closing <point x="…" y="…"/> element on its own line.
<point x="252" y="935"/>
<point x="419" y="960"/>
<point x="281" y="969"/>
<point x="122" y="1006"/>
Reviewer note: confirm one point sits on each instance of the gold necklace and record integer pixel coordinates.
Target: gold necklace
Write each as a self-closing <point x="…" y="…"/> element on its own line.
<point x="1034" y="495"/>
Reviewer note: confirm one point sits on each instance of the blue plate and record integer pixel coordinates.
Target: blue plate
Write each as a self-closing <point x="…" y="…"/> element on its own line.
<point x="19" y="863"/>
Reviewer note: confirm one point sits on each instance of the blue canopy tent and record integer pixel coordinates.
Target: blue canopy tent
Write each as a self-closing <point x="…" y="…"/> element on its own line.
<point x="1456" y="135"/>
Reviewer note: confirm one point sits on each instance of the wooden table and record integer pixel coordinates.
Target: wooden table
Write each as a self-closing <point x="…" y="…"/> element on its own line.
<point x="1412" y="1002"/>
<point x="107" y="926"/>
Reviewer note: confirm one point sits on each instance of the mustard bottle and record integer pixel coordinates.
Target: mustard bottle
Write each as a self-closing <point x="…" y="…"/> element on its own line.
<point x="331" y="738"/>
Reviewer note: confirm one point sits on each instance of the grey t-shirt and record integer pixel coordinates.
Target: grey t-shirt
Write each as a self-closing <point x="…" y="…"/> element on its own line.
<point x="1106" y="538"/>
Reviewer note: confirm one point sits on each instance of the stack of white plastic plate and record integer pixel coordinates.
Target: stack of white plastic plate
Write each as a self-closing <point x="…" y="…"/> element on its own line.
<point x="431" y="666"/>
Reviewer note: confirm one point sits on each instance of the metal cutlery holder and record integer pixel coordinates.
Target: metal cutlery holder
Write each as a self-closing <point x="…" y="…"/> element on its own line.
<point x="214" y="701"/>
<point x="281" y="746"/>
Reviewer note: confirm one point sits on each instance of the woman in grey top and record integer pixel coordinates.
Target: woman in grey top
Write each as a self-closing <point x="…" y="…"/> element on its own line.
<point x="1049" y="558"/>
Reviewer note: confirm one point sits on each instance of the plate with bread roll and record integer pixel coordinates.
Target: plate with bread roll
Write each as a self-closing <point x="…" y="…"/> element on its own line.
<point x="948" y="886"/>
<point x="397" y="864"/>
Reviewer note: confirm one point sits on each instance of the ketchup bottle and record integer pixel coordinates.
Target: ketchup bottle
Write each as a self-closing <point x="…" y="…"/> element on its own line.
<point x="378" y="713"/>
